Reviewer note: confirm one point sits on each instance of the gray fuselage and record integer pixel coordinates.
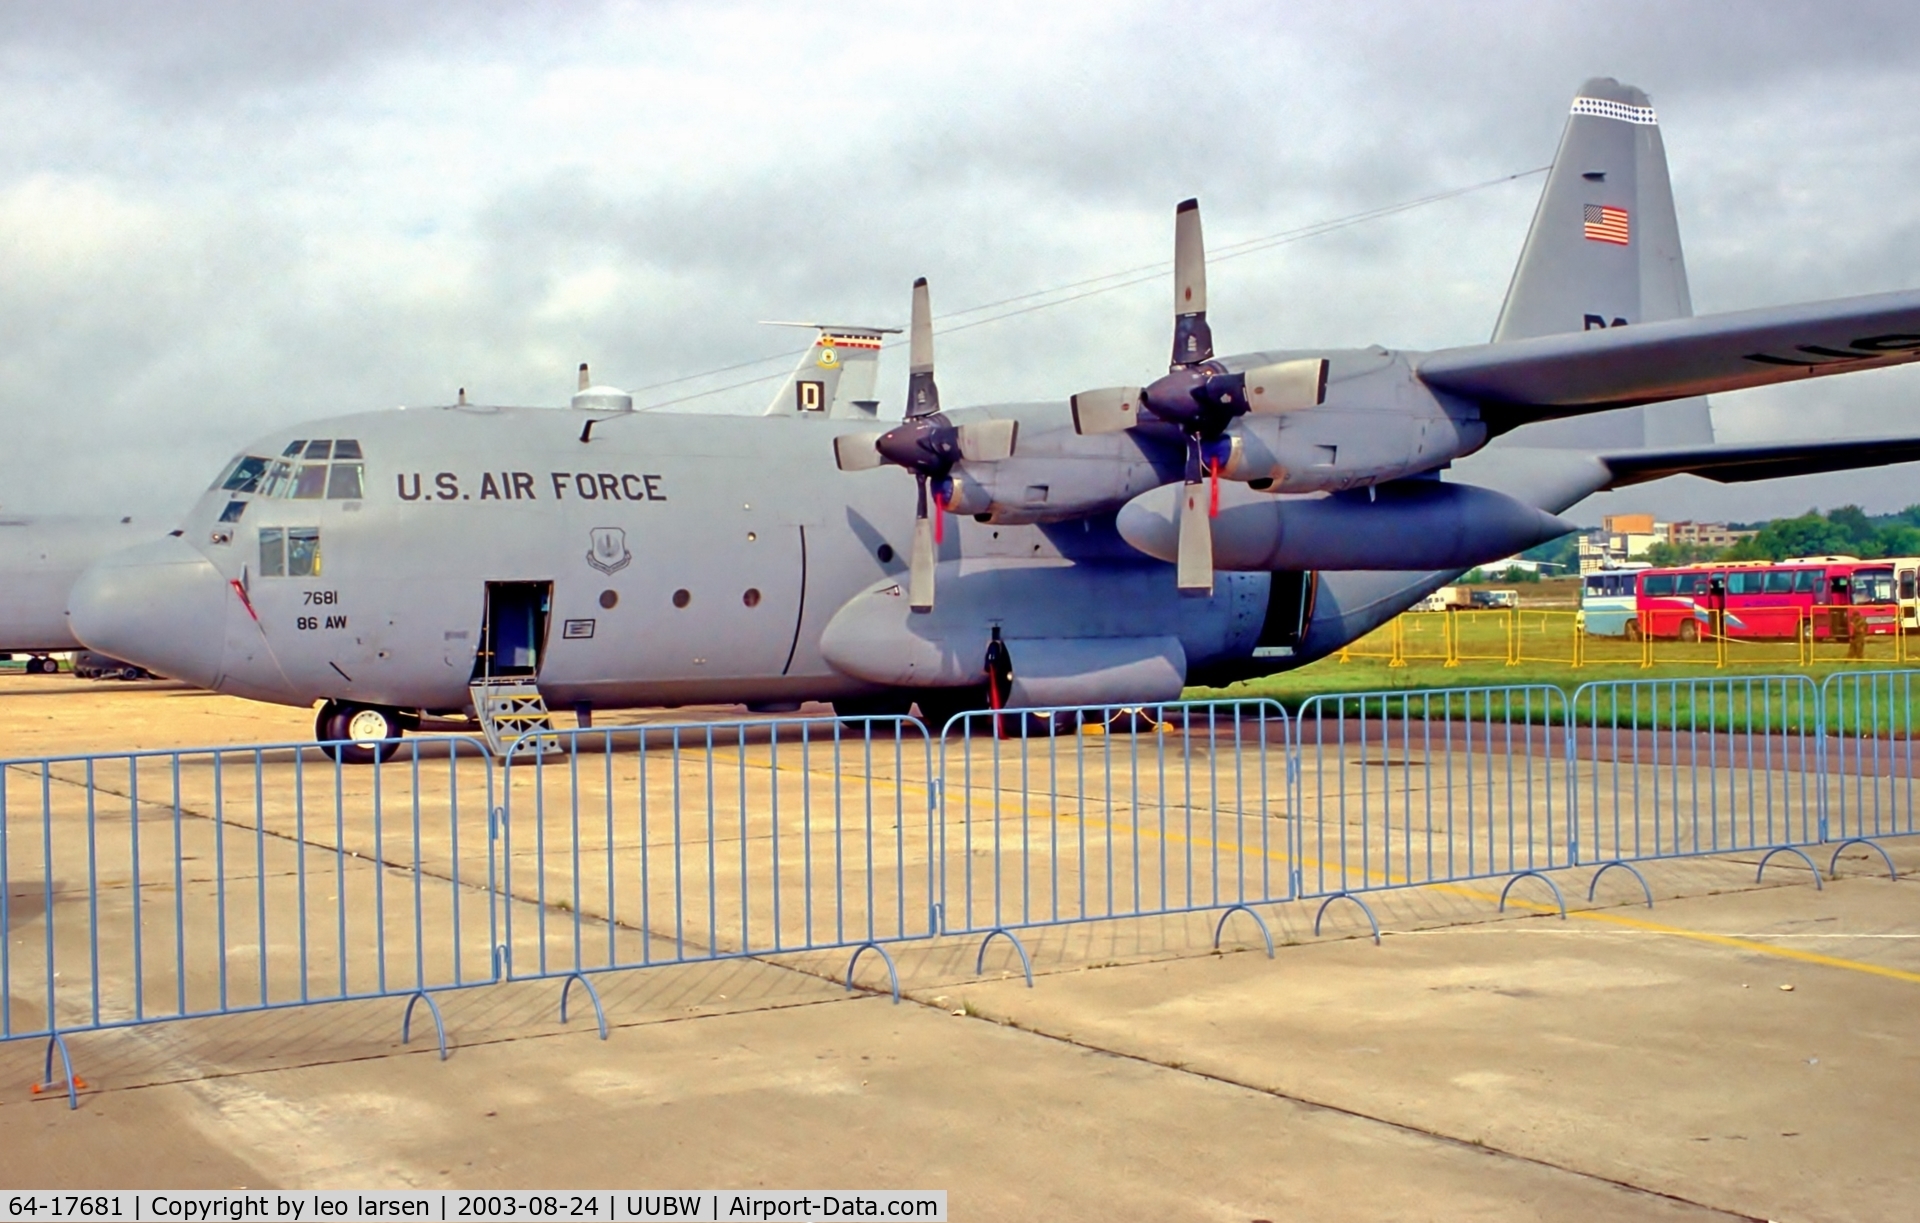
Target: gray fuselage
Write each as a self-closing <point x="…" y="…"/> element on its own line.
<point x="691" y="559"/>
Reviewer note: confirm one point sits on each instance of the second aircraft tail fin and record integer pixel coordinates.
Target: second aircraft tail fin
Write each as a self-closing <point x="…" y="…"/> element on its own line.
<point x="836" y="376"/>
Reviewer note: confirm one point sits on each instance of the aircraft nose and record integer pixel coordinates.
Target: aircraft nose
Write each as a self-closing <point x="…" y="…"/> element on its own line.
<point x="161" y="606"/>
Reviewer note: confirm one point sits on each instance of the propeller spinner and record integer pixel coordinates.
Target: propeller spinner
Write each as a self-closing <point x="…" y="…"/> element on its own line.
<point x="1201" y="398"/>
<point x="927" y="444"/>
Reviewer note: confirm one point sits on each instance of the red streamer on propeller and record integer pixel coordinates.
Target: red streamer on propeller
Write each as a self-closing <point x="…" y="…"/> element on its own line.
<point x="1213" y="492"/>
<point x="939" y="515"/>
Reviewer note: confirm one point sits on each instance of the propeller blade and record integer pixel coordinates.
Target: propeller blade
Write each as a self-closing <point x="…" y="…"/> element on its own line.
<point x="988" y="441"/>
<point x="857" y="451"/>
<point x="1192" y="339"/>
<point x="1286" y="386"/>
<point x="920" y="571"/>
<point x="923" y="397"/>
<point x="1106" y="411"/>
<point x="1193" y="570"/>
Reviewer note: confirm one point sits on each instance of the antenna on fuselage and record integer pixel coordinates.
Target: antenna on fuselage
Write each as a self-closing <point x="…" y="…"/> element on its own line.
<point x="463" y="396"/>
<point x="585" y="382"/>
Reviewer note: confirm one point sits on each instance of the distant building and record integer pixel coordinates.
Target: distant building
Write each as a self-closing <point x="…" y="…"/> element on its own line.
<point x="1706" y="535"/>
<point x="1627" y="537"/>
<point x="1630" y="524"/>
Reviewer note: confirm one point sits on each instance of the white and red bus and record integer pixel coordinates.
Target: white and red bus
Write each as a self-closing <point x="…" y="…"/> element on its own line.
<point x="1830" y="598"/>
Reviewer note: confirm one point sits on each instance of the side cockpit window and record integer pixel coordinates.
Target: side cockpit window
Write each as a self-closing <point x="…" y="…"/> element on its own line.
<point x="307" y="470"/>
<point x="303" y="552"/>
<point x="273" y="552"/>
<point x="245" y="476"/>
<point x="290" y="552"/>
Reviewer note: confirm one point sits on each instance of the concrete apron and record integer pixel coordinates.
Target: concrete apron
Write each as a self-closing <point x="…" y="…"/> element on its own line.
<point x="1623" y="1064"/>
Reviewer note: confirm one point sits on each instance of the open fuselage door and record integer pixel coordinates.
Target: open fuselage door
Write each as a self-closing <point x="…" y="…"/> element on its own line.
<point x="506" y="668"/>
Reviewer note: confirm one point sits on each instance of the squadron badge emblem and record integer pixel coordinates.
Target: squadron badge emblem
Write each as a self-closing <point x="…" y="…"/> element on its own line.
<point x="609" y="552"/>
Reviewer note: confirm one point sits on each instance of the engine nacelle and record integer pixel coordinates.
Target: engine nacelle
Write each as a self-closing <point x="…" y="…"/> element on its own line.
<point x="1054" y="474"/>
<point x="1312" y="451"/>
<point x="1407" y="524"/>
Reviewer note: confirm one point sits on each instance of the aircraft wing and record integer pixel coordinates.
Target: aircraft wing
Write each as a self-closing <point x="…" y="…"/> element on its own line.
<point x="1621" y="366"/>
<point x="1736" y="464"/>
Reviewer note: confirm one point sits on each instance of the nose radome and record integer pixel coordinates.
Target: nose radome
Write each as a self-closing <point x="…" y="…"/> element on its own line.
<point x="161" y="606"/>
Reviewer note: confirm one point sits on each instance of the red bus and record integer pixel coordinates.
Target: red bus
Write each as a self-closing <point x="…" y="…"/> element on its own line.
<point x="1832" y="598"/>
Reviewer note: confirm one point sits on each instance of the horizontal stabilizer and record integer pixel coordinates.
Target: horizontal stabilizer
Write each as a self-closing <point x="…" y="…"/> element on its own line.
<point x="1737" y="464"/>
<point x="1619" y="367"/>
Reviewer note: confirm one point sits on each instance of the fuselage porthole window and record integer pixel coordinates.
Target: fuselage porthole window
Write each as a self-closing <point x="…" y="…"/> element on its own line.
<point x="273" y="552"/>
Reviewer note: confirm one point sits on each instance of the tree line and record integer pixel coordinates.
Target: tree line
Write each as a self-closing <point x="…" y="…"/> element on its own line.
<point x="1847" y="531"/>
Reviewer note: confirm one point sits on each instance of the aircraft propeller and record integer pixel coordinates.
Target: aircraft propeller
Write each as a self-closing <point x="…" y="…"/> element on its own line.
<point x="1201" y="398"/>
<point x="927" y="444"/>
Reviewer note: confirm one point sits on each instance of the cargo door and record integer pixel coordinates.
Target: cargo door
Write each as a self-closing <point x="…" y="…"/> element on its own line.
<point x="513" y="631"/>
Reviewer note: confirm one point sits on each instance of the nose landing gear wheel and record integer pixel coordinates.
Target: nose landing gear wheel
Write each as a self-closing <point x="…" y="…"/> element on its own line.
<point x="357" y="734"/>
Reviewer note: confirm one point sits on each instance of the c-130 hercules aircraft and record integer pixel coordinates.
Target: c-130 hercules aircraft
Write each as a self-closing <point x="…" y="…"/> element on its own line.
<point x="404" y="566"/>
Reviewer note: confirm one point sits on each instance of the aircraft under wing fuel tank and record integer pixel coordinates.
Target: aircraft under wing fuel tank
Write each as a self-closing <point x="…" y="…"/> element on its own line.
<point x="1234" y="516"/>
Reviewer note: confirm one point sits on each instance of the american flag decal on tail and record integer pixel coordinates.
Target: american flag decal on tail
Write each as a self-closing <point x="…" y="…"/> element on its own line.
<point x="1605" y="223"/>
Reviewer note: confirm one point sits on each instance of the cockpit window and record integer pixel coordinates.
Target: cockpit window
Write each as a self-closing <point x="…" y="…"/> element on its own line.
<point x="344" y="483"/>
<point x="245" y="476"/>
<point x="233" y="511"/>
<point x="311" y="483"/>
<point x="279" y="480"/>
<point x="303" y="552"/>
<point x="302" y="472"/>
<point x="289" y="552"/>
<point x="273" y="552"/>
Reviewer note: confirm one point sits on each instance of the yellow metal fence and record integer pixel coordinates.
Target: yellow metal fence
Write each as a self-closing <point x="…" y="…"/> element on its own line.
<point x="1512" y="636"/>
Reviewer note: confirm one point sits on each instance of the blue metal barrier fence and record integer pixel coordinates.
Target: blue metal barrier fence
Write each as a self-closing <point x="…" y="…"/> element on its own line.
<point x="145" y="887"/>
<point x="1406" y="789"/>
<point x="630" y="847"/>
<point x="1051" y="817"/>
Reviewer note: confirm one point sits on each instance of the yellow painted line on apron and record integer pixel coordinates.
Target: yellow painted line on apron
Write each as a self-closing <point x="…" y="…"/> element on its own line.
<point x="1734" y="942"/>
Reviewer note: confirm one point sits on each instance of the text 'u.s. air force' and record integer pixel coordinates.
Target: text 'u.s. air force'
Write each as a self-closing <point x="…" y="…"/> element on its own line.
<point x="523" y="486"/>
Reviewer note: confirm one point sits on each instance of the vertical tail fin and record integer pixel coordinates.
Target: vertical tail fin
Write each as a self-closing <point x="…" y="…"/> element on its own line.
<point x="1604" y="248"/>
<point x="836" y="376"/>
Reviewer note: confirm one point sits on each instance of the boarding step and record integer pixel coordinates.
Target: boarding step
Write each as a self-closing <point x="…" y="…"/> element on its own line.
<point x="510" y="708"/>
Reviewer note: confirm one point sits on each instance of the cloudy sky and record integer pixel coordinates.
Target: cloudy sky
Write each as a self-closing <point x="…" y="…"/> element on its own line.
<point x="217" y="219"/>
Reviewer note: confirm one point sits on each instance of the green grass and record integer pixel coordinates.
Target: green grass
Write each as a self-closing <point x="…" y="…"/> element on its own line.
<point x="1681" y="694"/>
